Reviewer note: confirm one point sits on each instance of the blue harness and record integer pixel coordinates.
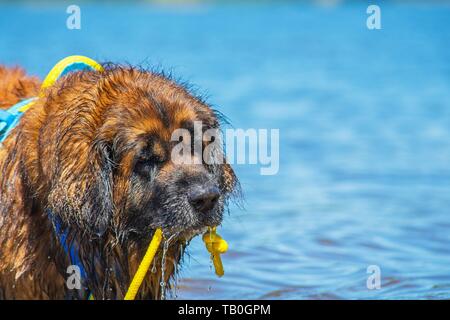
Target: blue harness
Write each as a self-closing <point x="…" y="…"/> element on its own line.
<point x="10" y="118"/>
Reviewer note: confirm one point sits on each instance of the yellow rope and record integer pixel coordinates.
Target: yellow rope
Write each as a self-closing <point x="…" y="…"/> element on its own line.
<point x="144" y="266"/>
<point x="216" y="246"/>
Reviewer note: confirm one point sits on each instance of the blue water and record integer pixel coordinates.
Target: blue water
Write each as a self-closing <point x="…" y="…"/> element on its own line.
<point x="364" y="119"/>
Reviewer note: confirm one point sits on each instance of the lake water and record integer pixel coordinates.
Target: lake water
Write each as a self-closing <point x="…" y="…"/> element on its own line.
<point x="364" y="119"/>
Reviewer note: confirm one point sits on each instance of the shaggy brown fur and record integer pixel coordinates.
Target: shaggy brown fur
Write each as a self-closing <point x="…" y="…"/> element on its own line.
<point x="94" y="151"/>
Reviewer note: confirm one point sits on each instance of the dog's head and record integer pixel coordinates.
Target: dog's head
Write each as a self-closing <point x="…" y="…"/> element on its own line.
<point x="118" y="153"/>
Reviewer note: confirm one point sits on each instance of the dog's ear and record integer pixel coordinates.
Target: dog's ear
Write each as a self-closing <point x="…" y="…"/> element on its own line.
<point x="102" y="197"/>
<point x="82" y="195"/>
<point x="78" y="181"/>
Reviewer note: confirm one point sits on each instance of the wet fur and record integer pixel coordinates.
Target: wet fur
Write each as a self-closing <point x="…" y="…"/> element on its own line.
<point x="76" y="153"/>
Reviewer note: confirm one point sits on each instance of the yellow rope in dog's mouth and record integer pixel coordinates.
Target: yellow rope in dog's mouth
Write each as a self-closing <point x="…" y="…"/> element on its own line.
<point x="215" y="245"/>
<point x="144" y="266"/>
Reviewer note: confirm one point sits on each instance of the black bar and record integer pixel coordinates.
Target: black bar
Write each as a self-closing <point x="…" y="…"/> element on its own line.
<point x="227" y="309"/>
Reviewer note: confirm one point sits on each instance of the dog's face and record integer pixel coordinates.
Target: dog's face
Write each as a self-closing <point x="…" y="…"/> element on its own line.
<point x="157" y="190"/>
<point x="103" y="158"/>
<point x="155" y="183"/>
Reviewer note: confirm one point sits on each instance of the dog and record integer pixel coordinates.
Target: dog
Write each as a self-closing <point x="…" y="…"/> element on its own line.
<point x="95" y="152"/>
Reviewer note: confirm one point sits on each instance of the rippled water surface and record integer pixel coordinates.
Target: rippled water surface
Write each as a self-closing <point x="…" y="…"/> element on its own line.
<point x="364" y="119"/>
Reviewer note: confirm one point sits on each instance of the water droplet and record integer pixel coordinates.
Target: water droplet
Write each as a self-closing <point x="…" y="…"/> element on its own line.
<point x="163" y="265"/>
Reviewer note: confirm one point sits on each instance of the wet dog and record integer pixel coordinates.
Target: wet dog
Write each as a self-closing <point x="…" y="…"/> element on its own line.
<point x="95" y="152"/>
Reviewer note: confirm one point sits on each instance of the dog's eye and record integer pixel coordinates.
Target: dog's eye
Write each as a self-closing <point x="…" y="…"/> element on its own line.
<point x="152" y="159"/>
<point x="144" y="165"/>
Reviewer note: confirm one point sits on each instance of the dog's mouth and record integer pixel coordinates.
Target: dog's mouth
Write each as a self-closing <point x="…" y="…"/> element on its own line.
<point x="187" y="235"/>
<point x="186" y="223"/>
<point x="184" y="235"/>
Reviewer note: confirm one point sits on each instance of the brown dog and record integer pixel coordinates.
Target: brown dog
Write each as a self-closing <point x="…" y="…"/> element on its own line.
<point x="94" y="151"/>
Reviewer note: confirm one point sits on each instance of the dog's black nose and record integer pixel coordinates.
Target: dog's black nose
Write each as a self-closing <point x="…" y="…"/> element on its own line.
<point x="204" y="199"/>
